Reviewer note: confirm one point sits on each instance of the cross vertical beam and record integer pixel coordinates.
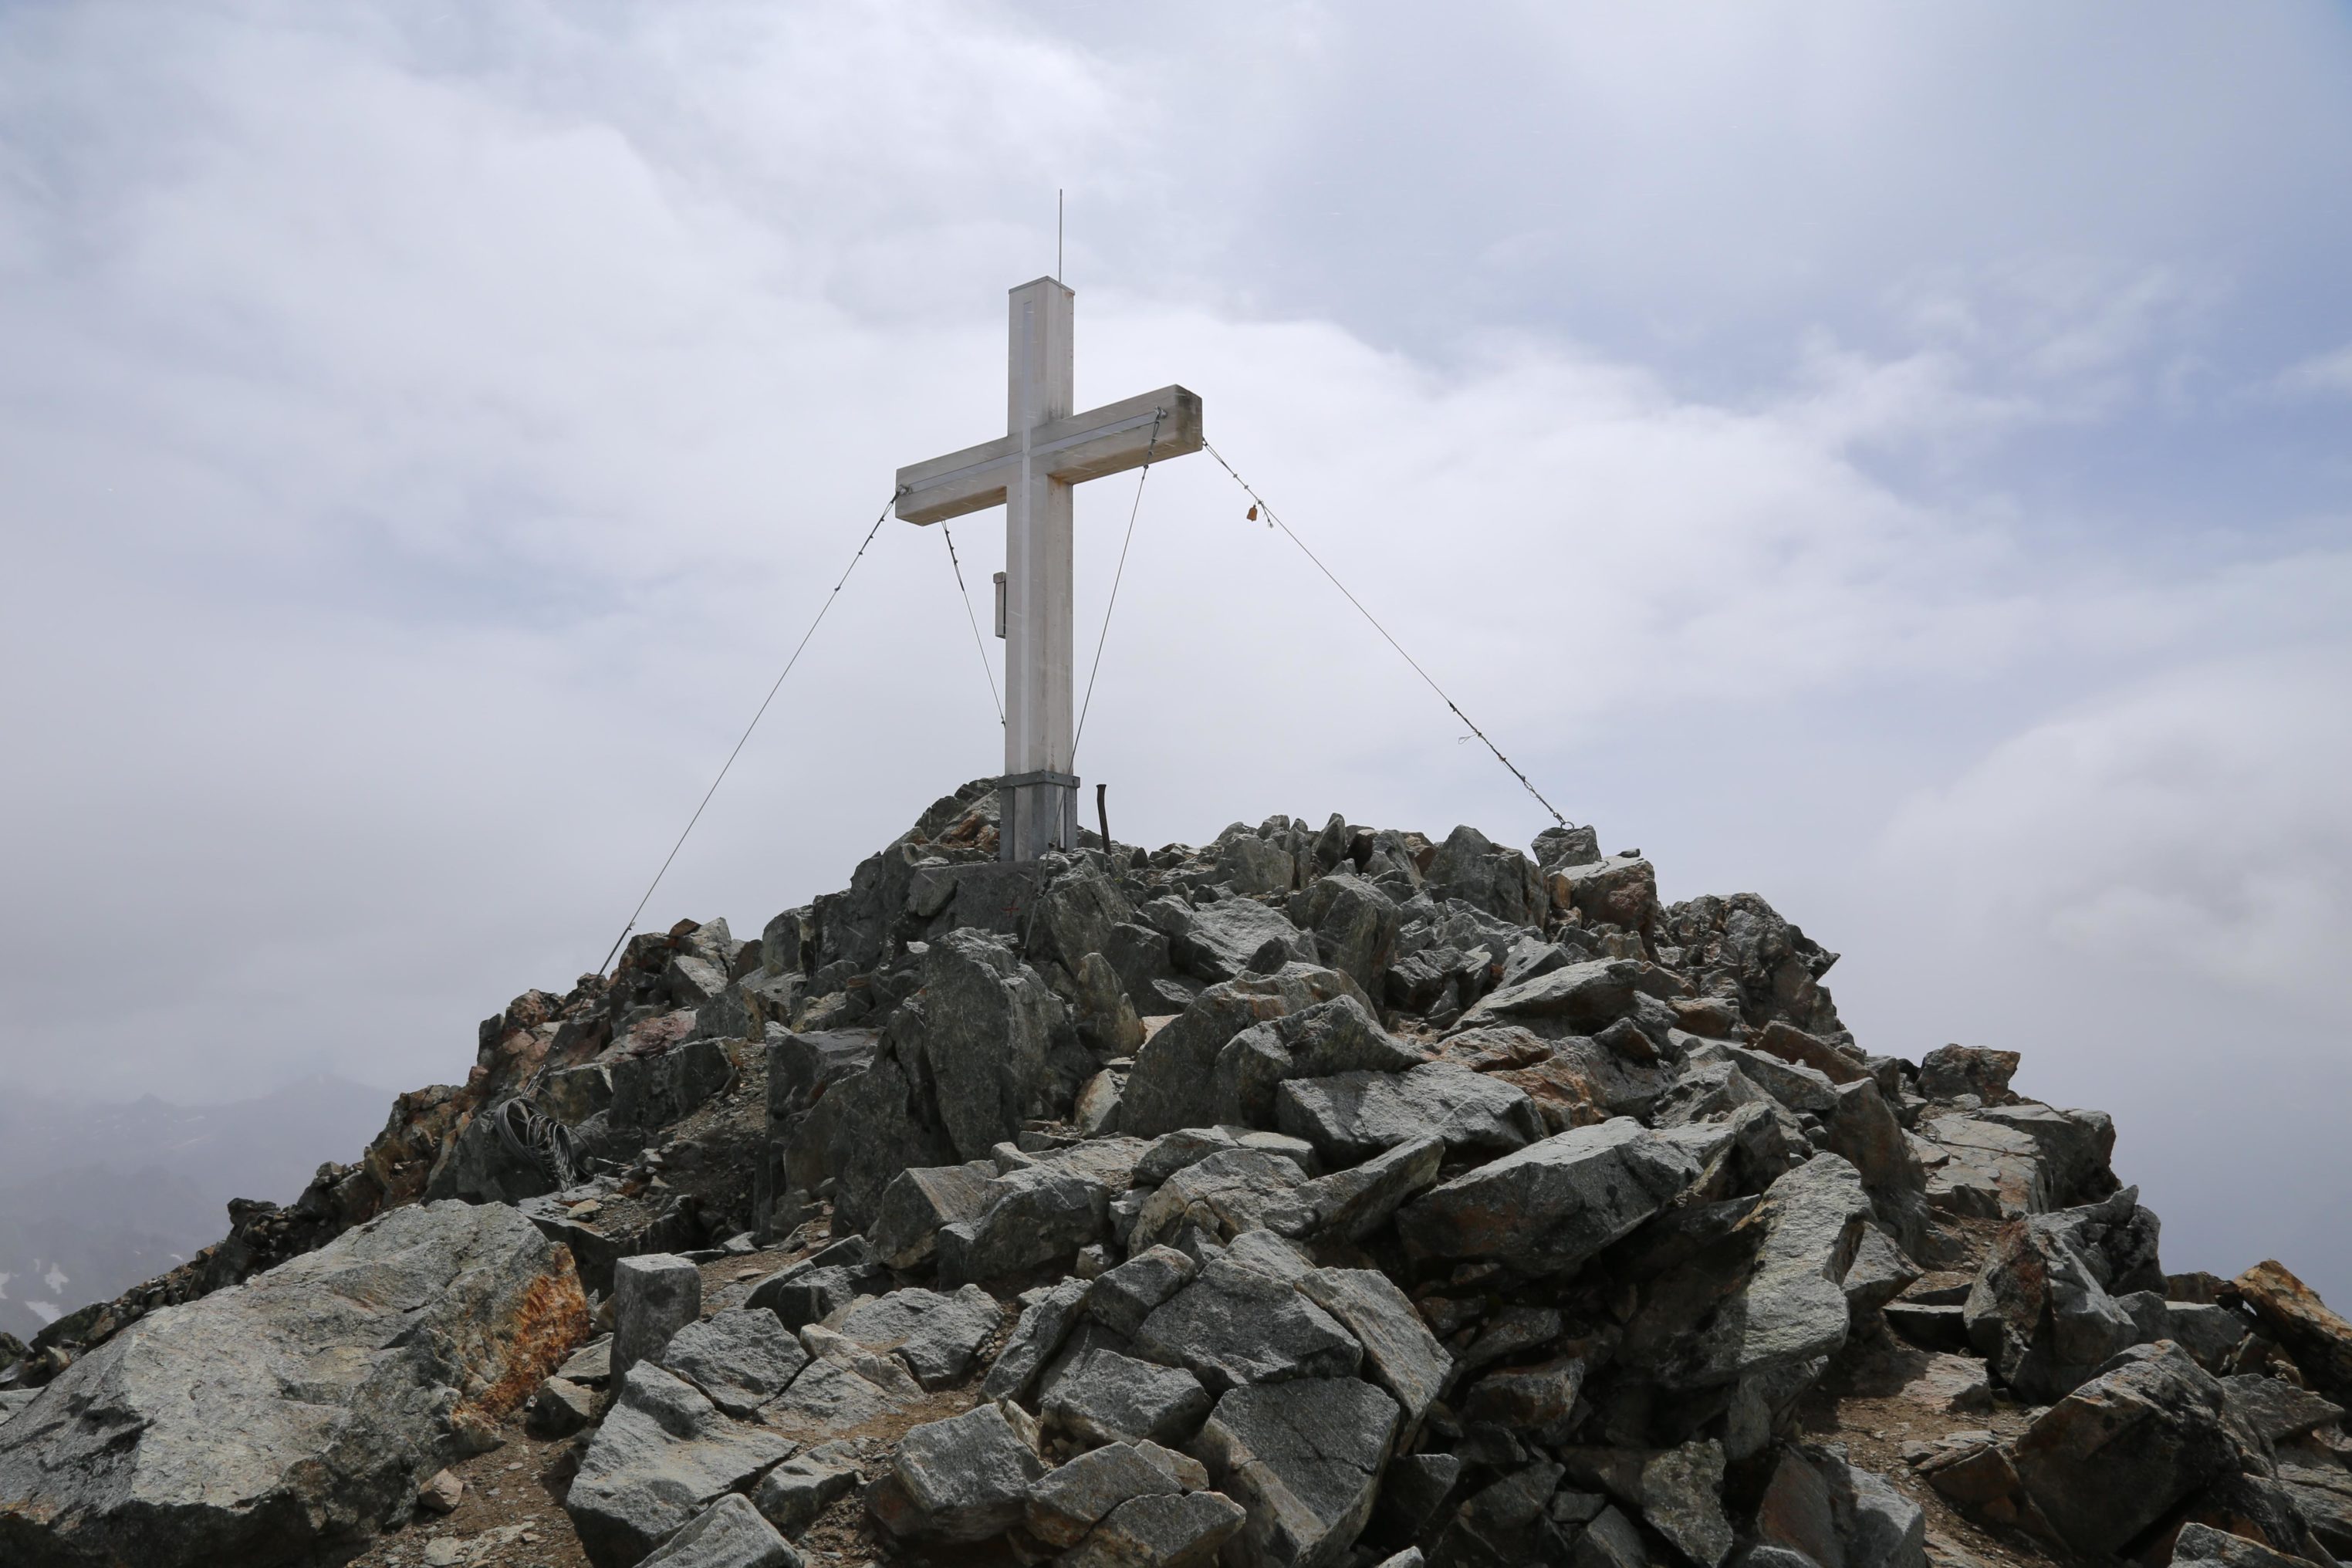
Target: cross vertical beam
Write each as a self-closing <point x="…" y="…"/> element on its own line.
<point x="1031" y="472"/>
<point x="1039" y="803"/>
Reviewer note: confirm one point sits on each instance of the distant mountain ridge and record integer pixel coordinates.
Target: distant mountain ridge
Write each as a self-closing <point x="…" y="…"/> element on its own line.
<point x="98" y="1196"/>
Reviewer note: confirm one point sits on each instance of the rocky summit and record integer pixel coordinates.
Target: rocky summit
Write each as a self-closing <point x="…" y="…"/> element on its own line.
<point x="1322" y="1197"/>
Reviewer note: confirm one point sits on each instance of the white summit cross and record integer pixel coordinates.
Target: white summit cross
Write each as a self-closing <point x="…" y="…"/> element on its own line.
<point x="1029" y="472"/>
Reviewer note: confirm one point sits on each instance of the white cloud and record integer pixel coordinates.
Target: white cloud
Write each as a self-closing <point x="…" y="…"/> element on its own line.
<point x="2321" y="375"/>
<point x="2195" y="824"/>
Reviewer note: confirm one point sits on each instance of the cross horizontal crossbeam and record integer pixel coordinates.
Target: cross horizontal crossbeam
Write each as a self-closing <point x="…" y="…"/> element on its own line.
<point x="1106" y="440"/>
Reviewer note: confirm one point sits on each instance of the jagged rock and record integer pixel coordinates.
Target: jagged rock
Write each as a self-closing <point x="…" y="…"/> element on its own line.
<point x="2202" y="1546"/>
<point x="1619" y="890"/>
<point x="936" y="1336"/>
<point x="1880" y="1272"/>
<point x="441" y="1493"/>
<point x="791" y="1496"/>
<point x="1501" y="882"/>
<point x="1070" y="1501"/>
<point x="918" y="1204"/>
<point x="818" y="1286"/>
<point x="2291" y="1313"/>
<point x="1610" y="1541"/>
<point x="1185" y="1531"/>
<point x="1123" y="1297"/>
<point x="1099" y="1393"/>
<point x="1042" y="1214"/>
<point x="1304" y="1458"/>
<point x="1788" y="1310"/>
<point x="1399" y="1352"/>
<point x="963" y="1478"/>
<point x="1224" y="1194"/>
<point x="1352" y="1116"/>
<point x="1839" y="1515"/>
<point x="559" y="1408"/>
<point x="985" y="1039"/>
<point x="1108" y="1022"/>
<point x="2038" y="1311"/>
<point x="407" y="1338"/>
<point x="653" y="1296"/>
<point x="2116" y="1453"/>
<point x="1171" y="1152"/>
<point x="1412" y="1489"/>
<point x="1950" y="1385"/>
<point x="831" y="1398"/>
<point x="1581" y="999"/>
<point x="1355" y="928"/>
<point x="1173" y="1083"/>
<point x="1354" y="1203"/>
<point x="1550" y="1207"/>
<point x="2210" y="1333"/>
<point x="1234" y="1324"/>
<point x="2274" y="1410"/>
<point x="1036" y="1337"/>
<point x="663" y="1454"/>
<point x="1538" y="1398"/>
<point x="1334" y="1036"/>
<point x="1502" y="1524"/>
<point x="657" y="1089"/>
<point x="1229" y="938"/>
<point x="730" y="1533"/>
<point x="740" y="1360"/>
<point x="1678" y="1490"/>
<point x="1073" y="916"/>
<point x="1949" y="1072"/>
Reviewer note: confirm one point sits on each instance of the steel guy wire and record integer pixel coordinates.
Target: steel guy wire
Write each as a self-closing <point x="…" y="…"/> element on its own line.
<point x="965" y="595"/>
<point x="821" y="613"/>
<point x="1274" y="517"/>
<point x="1150" y="447"/>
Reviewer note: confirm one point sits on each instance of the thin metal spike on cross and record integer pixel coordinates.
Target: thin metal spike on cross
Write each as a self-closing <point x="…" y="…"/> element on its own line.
<point x="1030" y="471"/>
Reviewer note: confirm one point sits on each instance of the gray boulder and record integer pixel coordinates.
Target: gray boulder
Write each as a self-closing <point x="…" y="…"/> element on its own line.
<point x="1501" y="882"/>
<point x="937" y="1336"/>
<point x="1097" y="1392"/>
<point x="963" y="1478"/>
<point x="1304" y="1458"/>
<point x="730" y="1533"/>
<point x="1839" y="1515"/>
<point x="2119" y="1452"/>
<point x="1233" y="936"/>
<point x="1173" y="1083"/>
<point x="1350" y="1205"/>
<point x="740" y="1360"/>
<point x="1171" y="1152"/>
<point x="918" y="1204"/>
<point x="347" y="1374"/>
<point x="2038" y="1310"/>
<point x="1581" y="999"/>
<point x="1223" y="1195"/>
<point x="1162" y="1531"/>
<point x="833" y="1396"/>
<point x="1235" y="1324"/>
<point x="1400" y="1353"/>
<point x="791" y="1496"/>
<point x="1042" y="1214"/>
<point x="1069" y="1503"/>
<point x="1036" y="1337"/>
<point x="663" y="1454"/>
<point x="1790" y="1308"/>
<point x="1123" y="1297"/>
<point x="985" y="1044"/>
<point x="1352" y="1116"/>
<point x="1355" y="928"/>
<point x="1500" y="1525"/>
<point x="1548" y="1208"/>
<point x="1679" y="1491"/>
<point x="1335" y="1037"/>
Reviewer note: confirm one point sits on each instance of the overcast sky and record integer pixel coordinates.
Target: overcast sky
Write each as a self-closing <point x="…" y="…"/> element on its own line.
<point x="1897" y="460"/>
